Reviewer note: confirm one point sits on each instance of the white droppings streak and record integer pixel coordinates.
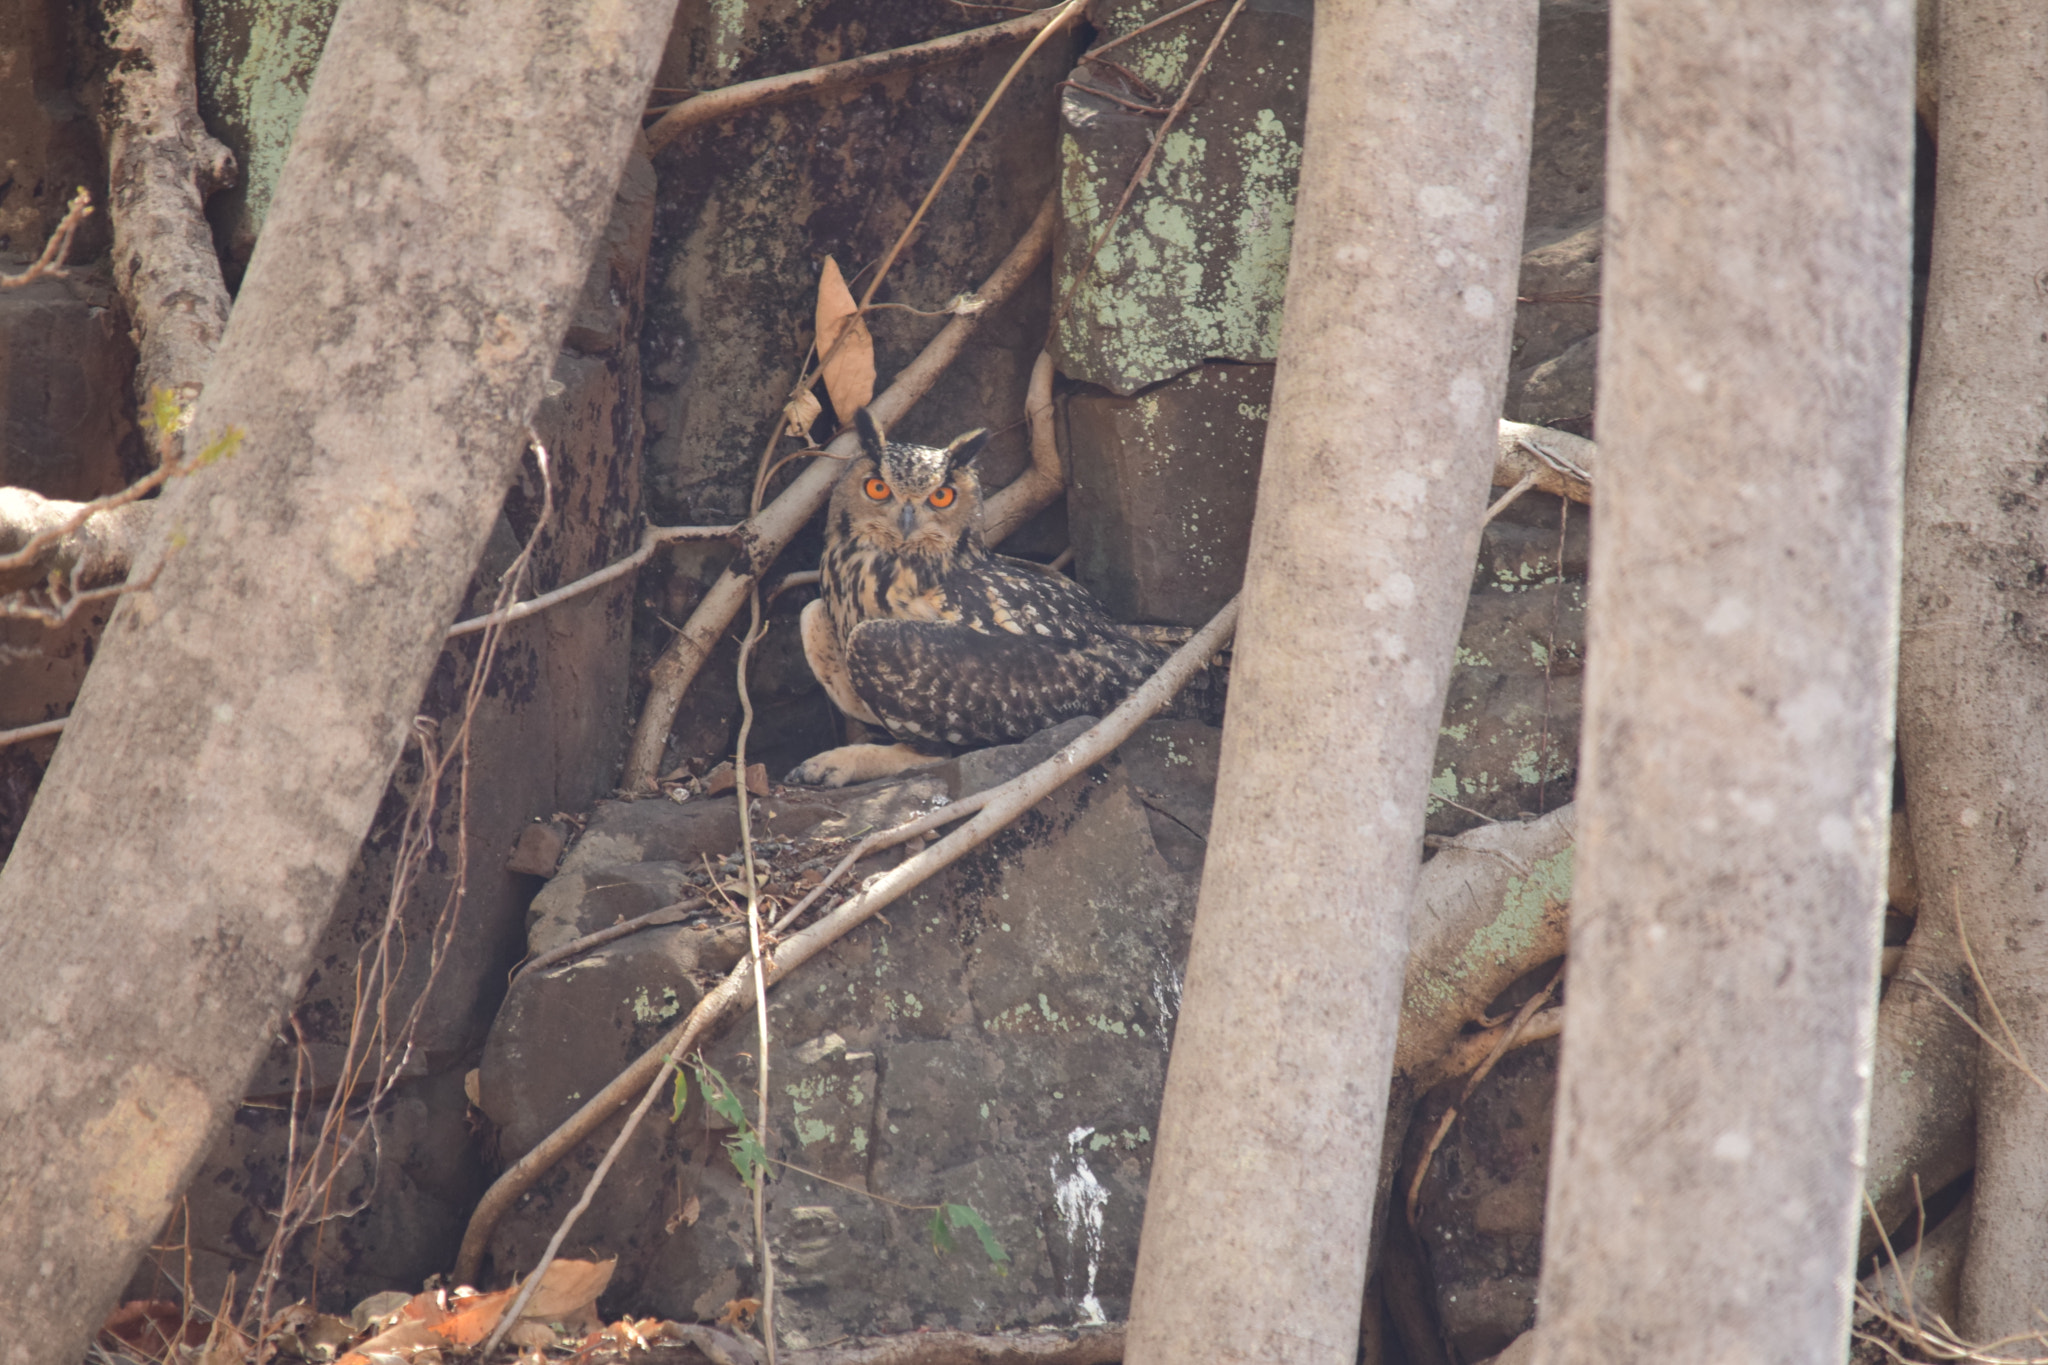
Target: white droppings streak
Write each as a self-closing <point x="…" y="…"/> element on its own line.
<point x="1080" y="1199"/>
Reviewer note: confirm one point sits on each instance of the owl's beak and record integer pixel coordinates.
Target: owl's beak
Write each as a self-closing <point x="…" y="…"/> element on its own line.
<point x="907" y="518"/>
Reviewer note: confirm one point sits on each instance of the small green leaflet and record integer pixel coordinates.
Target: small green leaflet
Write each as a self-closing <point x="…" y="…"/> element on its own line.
<point x="948" y="1218"/>
<point x="749" y="1157"/>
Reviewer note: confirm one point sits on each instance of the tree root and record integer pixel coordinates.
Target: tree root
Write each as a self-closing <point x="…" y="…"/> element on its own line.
<point x="1077" y="1346"/>
<point x="162" y="164"/>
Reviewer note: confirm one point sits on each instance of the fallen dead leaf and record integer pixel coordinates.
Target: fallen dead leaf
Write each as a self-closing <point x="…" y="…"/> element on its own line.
<point x="149" y="1327"/>
<point x="568" y="1287"/>
<point x="848" y="363"/>
<point x="738" y="1313"/>
<point x="686" y="1216"/>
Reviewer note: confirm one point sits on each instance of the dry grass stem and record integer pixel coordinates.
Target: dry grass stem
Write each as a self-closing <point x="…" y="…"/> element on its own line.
<point x="2008" y="1050"/>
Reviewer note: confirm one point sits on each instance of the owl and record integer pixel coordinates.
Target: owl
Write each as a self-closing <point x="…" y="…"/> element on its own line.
<point x="923" y="633"/>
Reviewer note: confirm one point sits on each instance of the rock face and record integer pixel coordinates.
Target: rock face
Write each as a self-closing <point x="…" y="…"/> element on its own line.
<point x="1196" y="266"/>
<point x="256" y="61"/>
<point x="998" y="1040"/>
<point x="1161" y="488"/>
<point x="48" y="145"/>
<point x="1480" y="1216"/>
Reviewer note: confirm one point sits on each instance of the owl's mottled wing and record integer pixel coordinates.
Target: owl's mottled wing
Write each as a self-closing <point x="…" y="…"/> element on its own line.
<point x="943" y="682"/>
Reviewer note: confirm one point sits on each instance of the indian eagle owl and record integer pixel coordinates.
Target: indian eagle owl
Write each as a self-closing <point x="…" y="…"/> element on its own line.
<point x="924" y="633"/>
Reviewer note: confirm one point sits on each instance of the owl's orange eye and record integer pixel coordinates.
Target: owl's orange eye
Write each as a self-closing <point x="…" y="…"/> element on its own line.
<point x="944" y="497"/>
<point x="878" y="489"/>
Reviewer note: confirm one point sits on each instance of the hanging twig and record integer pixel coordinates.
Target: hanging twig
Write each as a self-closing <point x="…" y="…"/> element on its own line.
<point x="651" y="539"/>
<point x="1059" y="18"/>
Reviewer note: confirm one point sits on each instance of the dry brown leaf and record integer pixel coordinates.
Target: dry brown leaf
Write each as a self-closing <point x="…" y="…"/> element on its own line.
<point x="798" y="414"/>
<point x="849" y="364"/>
<point x="402" y="1342"/>
<point x="684" y="1217"/>
<point x="738" y="1312"/>
<point x="471" y="1321"/>
<point x="149" y="1327"/>
<point x="568" y="1288"/>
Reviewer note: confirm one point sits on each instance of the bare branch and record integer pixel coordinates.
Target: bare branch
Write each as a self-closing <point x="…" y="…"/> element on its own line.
<point x="712" y="105"/>
<point x="1042" y="484"/>
<point x="1560" y="463"/>
<point x="91" y="542"/>
<point x="651" y="539"/>
<point x="50" y="265"/>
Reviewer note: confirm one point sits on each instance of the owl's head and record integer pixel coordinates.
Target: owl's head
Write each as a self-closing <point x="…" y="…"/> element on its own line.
<point x="899" y="495"/>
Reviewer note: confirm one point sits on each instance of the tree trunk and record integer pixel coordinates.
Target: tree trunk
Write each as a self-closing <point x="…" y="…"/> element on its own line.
<point x="452" y="171"/>
<point x="1406" y="247"/>
<point x="1733" y="790"/>
<point x="1974" y="658"/>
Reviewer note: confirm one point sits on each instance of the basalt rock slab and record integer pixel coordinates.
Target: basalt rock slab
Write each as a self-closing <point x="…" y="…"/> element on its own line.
<point x="1196" y="266"/>
<point x="1161" y="488"/>
<point x="996" y="1040"/>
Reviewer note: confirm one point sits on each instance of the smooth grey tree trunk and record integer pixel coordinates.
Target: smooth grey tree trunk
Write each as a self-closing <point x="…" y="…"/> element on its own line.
<point x="1733" y="789"/>
<point x="1973" y="684"/>
<point x="1407" y="237"/>
<point x="454" y="166"/>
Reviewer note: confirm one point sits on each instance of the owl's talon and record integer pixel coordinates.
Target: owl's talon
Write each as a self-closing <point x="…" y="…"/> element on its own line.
<point x="851" y="763"/>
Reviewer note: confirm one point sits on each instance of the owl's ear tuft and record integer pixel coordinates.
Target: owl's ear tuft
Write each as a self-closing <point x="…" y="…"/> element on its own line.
<point x="872" y="442"/>
<point x="964" y="448"/>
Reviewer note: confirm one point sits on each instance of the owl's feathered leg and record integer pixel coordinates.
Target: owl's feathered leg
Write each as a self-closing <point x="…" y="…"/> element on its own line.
<point x="852" y="763"/>
<point x="828" y="663"/>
